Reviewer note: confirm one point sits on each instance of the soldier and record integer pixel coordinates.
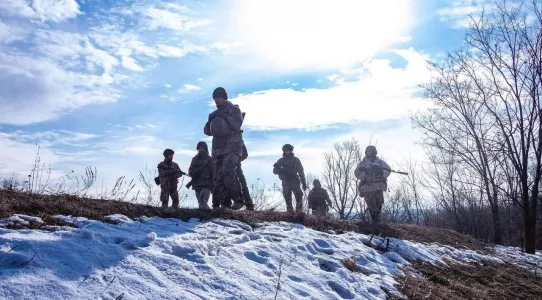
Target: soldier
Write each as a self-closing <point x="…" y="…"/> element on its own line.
<point x="290" y="171"/>
<point x="202" y="170"/>
<point x="319" y="200"/>
<point x="372" y="173"/>
<point x="168" y="174"/>
<point x="243" y="181"/>
<point x="224" y="125"/>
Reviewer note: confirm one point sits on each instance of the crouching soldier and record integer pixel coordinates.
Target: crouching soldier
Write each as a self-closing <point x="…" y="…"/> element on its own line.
<point x="202" y="170"/>
<point x="372" y="173"/>
<point x="291" y="173"/>
<point x="168" y="175"/>
<point x="319" y="200"/>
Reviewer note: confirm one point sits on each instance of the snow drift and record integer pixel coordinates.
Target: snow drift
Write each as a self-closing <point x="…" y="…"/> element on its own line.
<point x="157" y="258"/>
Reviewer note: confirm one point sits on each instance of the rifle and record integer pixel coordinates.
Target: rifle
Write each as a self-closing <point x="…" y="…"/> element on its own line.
<point x="157" y="179"/>
<point x="386" y="169"/>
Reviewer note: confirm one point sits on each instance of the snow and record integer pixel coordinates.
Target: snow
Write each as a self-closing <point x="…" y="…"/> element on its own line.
<point x="20" y="219"/>
<point x="158" y="258"/>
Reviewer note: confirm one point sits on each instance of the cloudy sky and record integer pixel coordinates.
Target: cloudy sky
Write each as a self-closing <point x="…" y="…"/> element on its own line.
<point x="111" y="84"/>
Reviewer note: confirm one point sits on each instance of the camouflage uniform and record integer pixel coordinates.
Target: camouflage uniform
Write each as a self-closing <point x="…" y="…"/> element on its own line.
<point x="168" y="173"/>
<point x="291" y="173"/>
<point x="226" y="151"/>
<point x="319" y="200"/>
<point x="202" y="170"/>
<point x="373" y="183"/>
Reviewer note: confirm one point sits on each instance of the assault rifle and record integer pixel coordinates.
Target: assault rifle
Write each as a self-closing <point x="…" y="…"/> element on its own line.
<point x="385" y="169"/>
<point x="157" y="179"/>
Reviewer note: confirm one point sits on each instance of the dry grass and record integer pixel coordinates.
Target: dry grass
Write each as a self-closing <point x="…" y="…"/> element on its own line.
<point x="471" y="281"/>
<point x="47" y="206"/>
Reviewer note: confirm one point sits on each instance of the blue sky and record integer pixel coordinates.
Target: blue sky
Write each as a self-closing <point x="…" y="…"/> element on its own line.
<point x="112" y="83"/>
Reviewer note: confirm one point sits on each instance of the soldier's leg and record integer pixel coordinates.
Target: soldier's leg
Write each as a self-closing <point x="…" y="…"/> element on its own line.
<point x="320" y="211"/>
<point x="231" y="181"/>
<point x="218" y="186"/>
<point x="287" y="193"/>
<point x="164" y="194"/>
<point x="370" y="199"/>
<point x="174" y="193"/>
<point x="244" y="188"/>
<point x="379" y="201"/>
<point x="203" y="198"/>
<point x="298" y="193"/>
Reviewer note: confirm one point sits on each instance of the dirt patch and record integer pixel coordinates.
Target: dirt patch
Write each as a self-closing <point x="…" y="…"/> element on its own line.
<point x="47" y="206"/>
<point x="470" y="281"/>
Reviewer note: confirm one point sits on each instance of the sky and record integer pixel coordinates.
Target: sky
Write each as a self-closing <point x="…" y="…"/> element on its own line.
<point x="111" y="84"/>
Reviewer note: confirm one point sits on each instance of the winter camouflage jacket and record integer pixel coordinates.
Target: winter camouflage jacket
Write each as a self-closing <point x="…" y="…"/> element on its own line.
<point x="290" y="170"/>
<point x="368" y="180"/>
<point x="318" y="197"/>
<point x="233" y="142"/>
<point x="202" y="170"/>
<point x="168" y="172"/>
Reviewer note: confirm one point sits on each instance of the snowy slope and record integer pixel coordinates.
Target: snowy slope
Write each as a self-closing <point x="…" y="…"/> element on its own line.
<point x="155" y="258"/>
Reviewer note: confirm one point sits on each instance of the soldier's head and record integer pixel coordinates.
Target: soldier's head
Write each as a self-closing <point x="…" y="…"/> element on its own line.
<point x="168" y="154"/>
<point x="220" y="96"/>
<point x="287" y="149"/>
<point x="316" y="183"/>
<point x="202" y="147"/>
<point x="371" y="152"/>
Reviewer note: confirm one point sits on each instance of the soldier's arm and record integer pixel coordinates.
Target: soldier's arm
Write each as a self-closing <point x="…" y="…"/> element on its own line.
<point x="327" y="199"/>
<point x="385" y="173"/>
<point x="234" y="118"/>
<point x="207" y="129"/>
<point x="191" y="169"/>
<point x="212" y="168"/>
<point x="276" y="168"/>
<point x="301" y="172"/>
<point x="360" y="172"/>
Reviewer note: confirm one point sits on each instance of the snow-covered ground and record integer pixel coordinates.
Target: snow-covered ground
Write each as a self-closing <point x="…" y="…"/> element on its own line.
<point x="156" y="258"/>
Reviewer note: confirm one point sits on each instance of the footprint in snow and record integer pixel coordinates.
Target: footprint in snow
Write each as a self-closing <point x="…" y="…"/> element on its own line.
<point x="188" y="254"/>
<point x="259" y="259"/>
<point x="295" y="278"/>
<point x="343" y="292"/>
<point x="323" y="246"/>
<point x="328" y="265"/>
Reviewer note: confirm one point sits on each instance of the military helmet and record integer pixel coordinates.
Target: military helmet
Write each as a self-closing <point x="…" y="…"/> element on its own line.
<point x="373" y="148"/>
<point x="168" y="152"/>
<point x="287" y="147"/>
<point x="219" y="127"/>
<point x="316" y="182"/>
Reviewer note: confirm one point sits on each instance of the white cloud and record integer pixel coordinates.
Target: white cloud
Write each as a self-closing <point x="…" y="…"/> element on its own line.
<point x="160" y="18"/>
<point x="36" y="90"/>
<point x="319" y="34"/>
<point x="130" y="64"/>
<point x="167" y="85"/>
<point x="459" y="11"/>
<point x="379" y="92"/>
<point x="189" y="88"/>
<point x="44" y="10"/>
<point x="10" y="33"/>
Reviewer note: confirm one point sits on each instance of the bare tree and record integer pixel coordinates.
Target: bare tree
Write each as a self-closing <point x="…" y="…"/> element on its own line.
<point x="487" y="112"/>
<point x="338" y="177"/>
<point x="262" y="197"/>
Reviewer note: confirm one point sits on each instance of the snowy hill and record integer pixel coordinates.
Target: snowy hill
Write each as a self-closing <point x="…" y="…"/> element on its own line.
<point x="166" y="258"/>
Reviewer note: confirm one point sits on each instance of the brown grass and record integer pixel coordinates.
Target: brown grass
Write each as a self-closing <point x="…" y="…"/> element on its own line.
<point x="47" y="206"/>
<point x="471" y="281"/>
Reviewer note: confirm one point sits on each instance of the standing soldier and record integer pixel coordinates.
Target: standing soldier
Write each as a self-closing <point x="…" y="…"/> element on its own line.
<point x="202" y="170"/>
<point x="372" y="173"/>
<point x="168" y="174"/>
<point x="319" y="200"/>
<point x="224" y="125"/>
<point x="290" y="172"/>
<point x="243" y="181"/>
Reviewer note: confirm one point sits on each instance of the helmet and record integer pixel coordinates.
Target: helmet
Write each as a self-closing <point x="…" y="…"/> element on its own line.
<point x="316" y="182"/>
<point x="373" y="148"/>
<point x="168" y="152"/>
<point x="219" y="127"/>
<point x="287" y="147"/>
<point x="203" y="145"/>
<point x="220" y="92"/>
